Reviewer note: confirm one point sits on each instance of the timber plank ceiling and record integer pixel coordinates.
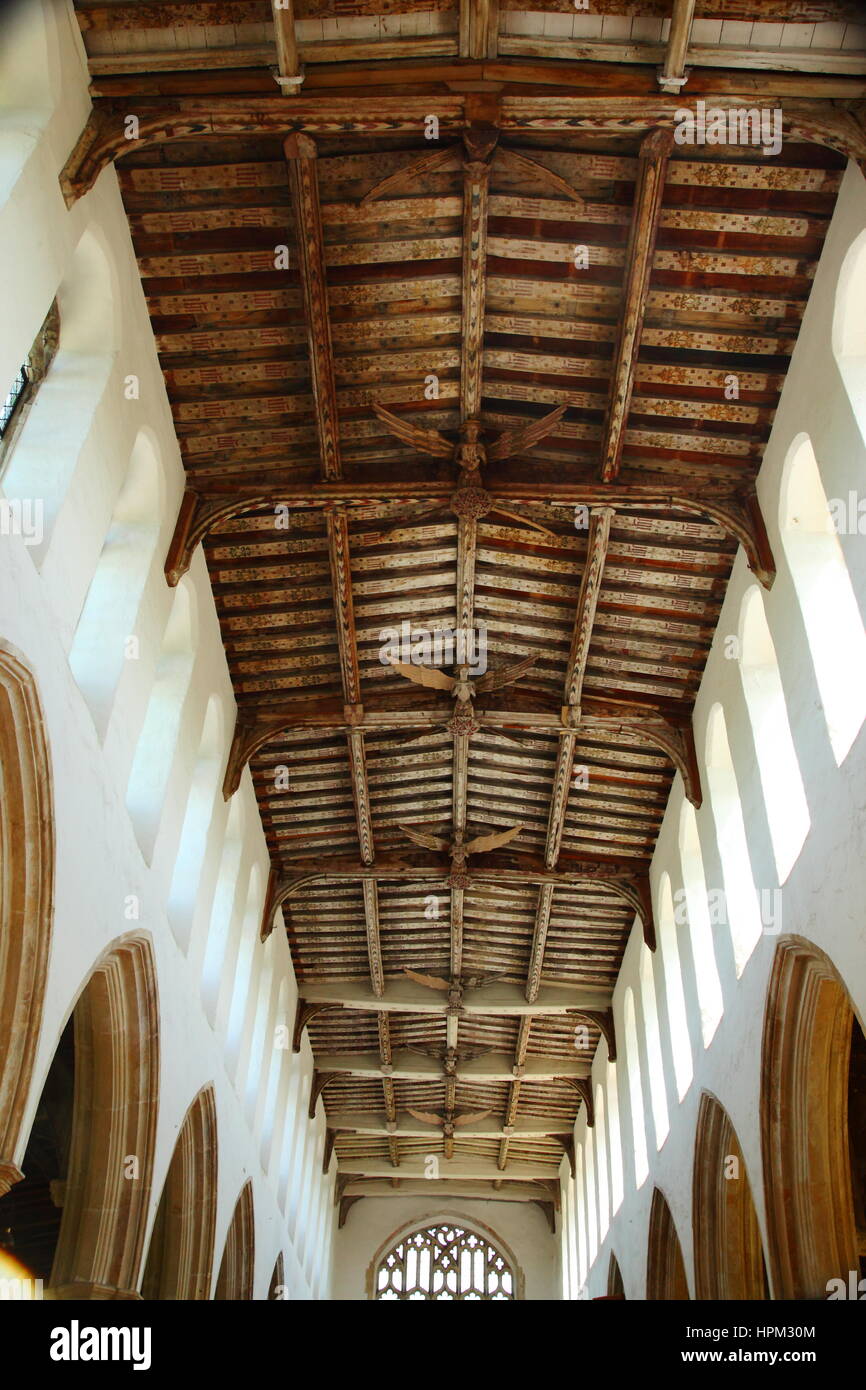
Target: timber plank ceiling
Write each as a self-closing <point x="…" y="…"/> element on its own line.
<point x="511" y="370"/>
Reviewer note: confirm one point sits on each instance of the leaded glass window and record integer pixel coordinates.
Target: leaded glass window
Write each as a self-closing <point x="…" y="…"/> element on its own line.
<point x="445" y="1263"/>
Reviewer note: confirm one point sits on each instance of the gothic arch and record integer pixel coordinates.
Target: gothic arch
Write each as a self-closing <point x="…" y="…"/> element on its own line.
<point x="108" y="1185"/>
<point x="180" y="1259"/>
<point x="804" y="1123"/>
<point x="235" y="1281"/>
<point x="26" y="896"/>
<point x="615" y="1286"/>
<point x="665" y="1270"/>
<point x="277" y="1287"/>
<point x="729" y="1257"/>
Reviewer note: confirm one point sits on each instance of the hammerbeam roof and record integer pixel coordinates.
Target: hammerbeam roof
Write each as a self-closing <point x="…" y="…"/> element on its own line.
<point x="456" y="335"/>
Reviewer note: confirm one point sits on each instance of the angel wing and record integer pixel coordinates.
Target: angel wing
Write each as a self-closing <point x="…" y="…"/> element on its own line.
<point x="422" y="837"/>
<point x="431" y="981"/>
<point x="424" y="675"/>
<point x="523" y="438"/>
<point x="479" y="981"/>
<point x="426" y="441"/>
<point x="426" y="1116"/>
<point x="505" y="675"/>
<point x="494" y="841"/>
<point x="472" y="1117"/>
<point x="522" y="164"/>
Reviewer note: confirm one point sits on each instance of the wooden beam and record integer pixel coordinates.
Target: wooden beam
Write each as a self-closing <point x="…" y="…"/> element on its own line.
<point x="405" y="996"/>
<point x="646" y="212"/>
<point x="374" y="944"/>
<point x="733" y="507"/>
<point x="627" y="880"/>
<point x="468" y="1190"/>
<point x="105" y="136"/>
<point x="671" y="733"/>
<point x="412" y="1066"/>
<point x="844" y="62"/>
<point x="415" y="1166"/>
<point x="672" y="76"/>
<point x="598" y="540"/>
<point x="290" y="74"/>
<point x="407" y="1127"/>
<point x="300" y="153"/>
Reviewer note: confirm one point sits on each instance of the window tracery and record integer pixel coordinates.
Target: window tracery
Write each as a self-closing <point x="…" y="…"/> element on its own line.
<point x="444" y="1263"/>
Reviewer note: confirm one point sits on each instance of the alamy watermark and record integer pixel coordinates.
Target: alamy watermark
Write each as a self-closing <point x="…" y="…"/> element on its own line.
<point x="738" y="125"/>
<point x="23" y="517"/>
<point x="443" y="646"/>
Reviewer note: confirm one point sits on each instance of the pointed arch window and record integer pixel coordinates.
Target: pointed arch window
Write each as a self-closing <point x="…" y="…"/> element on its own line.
<point x="690" y="903"/>
<point x="778" y="767"/>
<point x="831" y="614"/>
<point x="444" y="1263"/>
<point x="21" y="393"/>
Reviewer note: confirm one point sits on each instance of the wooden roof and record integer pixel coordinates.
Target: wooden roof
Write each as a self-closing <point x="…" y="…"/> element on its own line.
<point x="515" y="378"/>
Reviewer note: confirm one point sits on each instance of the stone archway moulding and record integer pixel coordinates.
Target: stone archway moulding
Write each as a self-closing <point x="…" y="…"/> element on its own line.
<point x="26" y="897"/>
<point x="190" y="1198"/>
<point x="666" y="1271"/>
<point x="729" y="1257"/>
<point x="107" y="1195"/>
<point x="235" y="1280"/>
<point x="806" y="1049"/>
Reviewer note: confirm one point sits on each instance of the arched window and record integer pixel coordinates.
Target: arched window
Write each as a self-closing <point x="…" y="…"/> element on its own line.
<point x="614" y="1138"/>
<point x="692" y="906"/>
<point x="740" y="897"/>
<point x="601" y="1155"/>
<point x="21" y="392"/>
<point x="61" y="425"/>
<point x="154" y="754"/>
<point x="580" y="1204"/>
<point x="676" y="1000"/>
<point x="849" y="327"/>
<point x="831" y="614"/>
<point x="186" y="879"/>
<point x="444" y="1262"/>
<point x="243" y="972"/>
<point x="565" y="1239"/>
<point x="104" y="637"/>
<point x="227" y="904"/>
<point x="784" y="795"/>
<point x="591" y="1204"/>
<point x="652" y="1038"/>
<point x="279" y="1037"/>
<point x="635" y="1089"/>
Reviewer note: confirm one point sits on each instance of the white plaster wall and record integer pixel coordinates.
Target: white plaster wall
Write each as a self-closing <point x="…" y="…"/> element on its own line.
<point x="99" y="864"/>
<point x="822" y="899"/>
<point x="520" y="1226"/>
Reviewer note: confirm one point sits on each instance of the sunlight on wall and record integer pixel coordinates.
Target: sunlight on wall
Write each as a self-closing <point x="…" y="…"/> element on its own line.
<point x="741" y="909"/>
<point x="676" y="1001"/>
<point x="614" y="1137"/>
<point x="652" y="1039"/>
<point x="692" y="906"/>
<point x="635" y="1087"/>
<point x="831" y="614"/>
<point x="849" y="327"/>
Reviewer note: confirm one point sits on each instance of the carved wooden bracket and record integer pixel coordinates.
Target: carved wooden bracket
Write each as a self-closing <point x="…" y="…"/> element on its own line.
<point x="303" y="1013"/>
<point x="320" y="1080"/>
<point x="195" y="518"/>
<point x="330" y="1136"/>
<point x="603" y="1019"/>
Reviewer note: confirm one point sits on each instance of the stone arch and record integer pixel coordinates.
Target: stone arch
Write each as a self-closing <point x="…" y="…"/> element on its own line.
<point x="107" y="1196"/>
<point x="277" y="1287"/>
<point x="26" y="896"/>
<point x="180" y="1259"/>
<point x="811" y="1230"/>
<point x="665" y="1270"/>
<point x="235" y="1280"/>
<point x="729" y="1256"/>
